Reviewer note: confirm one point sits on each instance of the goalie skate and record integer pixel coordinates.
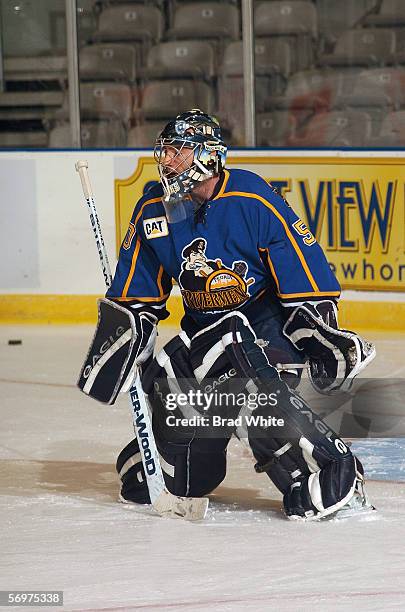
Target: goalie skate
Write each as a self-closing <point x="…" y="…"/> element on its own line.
<point x="358" y="505"/>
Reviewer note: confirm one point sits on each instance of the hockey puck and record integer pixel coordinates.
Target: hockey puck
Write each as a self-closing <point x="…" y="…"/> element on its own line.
<point x="14" y="342"/>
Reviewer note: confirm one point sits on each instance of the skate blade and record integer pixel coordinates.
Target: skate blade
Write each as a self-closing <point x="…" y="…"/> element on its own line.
<point x="345" y="513"/>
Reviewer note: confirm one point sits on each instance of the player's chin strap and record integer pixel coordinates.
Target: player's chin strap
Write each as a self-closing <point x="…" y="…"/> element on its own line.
<point x="336" y="355"/>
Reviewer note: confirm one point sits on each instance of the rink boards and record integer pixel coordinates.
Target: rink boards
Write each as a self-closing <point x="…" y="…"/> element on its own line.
<point x="353" y="202"/>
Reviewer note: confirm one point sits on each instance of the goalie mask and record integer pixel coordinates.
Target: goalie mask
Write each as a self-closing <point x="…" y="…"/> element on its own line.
<point x="188" y="151"/>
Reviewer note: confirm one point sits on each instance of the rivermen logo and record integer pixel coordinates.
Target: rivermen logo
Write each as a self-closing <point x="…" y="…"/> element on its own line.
<point x="208" y="285"/>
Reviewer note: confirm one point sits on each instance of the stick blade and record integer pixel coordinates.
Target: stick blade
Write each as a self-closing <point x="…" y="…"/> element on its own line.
<point x="188" y="508"/>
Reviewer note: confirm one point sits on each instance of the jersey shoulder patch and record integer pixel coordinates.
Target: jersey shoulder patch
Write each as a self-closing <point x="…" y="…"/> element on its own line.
<point x="155" y="227"/>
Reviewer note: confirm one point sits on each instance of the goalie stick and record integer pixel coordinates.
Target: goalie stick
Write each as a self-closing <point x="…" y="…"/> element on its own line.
<point x="164" y="502"/>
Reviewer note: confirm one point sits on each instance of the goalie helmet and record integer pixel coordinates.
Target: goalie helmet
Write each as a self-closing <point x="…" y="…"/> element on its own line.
<point x="189" y="150"/>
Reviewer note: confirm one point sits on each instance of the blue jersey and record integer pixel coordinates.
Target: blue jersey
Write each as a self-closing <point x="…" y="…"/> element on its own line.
<point x="249" y="241"/>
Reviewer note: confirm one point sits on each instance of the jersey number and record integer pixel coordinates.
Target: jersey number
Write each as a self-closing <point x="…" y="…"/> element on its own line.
<point x="129" y="236"/>
<point x="302" y="230"/>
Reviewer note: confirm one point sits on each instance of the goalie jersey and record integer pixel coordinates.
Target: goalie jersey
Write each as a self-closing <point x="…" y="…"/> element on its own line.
<point x="246" y="242"/>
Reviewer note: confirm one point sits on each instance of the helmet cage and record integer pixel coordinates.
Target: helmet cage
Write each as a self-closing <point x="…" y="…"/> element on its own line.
<point x="208" y="154"/>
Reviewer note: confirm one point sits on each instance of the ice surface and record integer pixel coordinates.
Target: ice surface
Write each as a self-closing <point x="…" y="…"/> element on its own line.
<point x="61" y="527"/>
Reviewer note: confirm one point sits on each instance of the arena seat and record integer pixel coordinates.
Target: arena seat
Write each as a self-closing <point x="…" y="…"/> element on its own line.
<point x="335" y="129"/>
<point x="392" y="131"/>
<point x="391" y="13"/>
<point x="104" y="99"/>
<point x="275" y="128"/>
<point x="271" y="66"/>
<point x="310" y="89"/>
<point x="94" y="134"/>
<point x="108" y="61"/>
<point x="362" y="47"/>
<point x="205" y="20"/>
<point x="145" y="135"/>
<point x="108" y="2"/>
<point x="377" y="87"/>
<point x="101" y="99"/>
<point x="286" y="17"/>
<point x="123" y="22"/>
<point x="295" y="21"/>
<point x="231" y="91"/>
<point x="336" y="17"/>
<point x="377" y="92"/>
<point x="185" y="58"/>
<point x="165" y="99"/>
<point x="272" y="56"/>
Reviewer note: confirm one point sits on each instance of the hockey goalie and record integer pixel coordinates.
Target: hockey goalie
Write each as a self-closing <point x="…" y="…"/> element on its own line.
<point x="257" y="290"/>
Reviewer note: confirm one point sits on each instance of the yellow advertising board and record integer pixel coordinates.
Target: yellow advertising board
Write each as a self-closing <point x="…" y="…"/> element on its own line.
<point x="354" y="207"/>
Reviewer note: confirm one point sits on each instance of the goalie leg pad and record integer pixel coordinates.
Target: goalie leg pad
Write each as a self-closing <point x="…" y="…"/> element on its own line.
<point x="336" y="355"/>
<point x="129" y="467"/>
<point x="323" y="492"/>
<point x="303" y="501"/>
<point x="190" y="470"/>
<point x="121" y="341"/>
<point x="193" y="469"/>
<point x="191" y="466"/>
<point x="199" y="462"/>
<point x="213" y="347"/>
<point x="313" y="468"/>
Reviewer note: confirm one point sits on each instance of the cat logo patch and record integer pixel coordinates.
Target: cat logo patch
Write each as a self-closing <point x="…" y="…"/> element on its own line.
<point x="155" y="227"/>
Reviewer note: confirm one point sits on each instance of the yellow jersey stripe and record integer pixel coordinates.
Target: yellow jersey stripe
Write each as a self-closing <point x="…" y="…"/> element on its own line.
<point x="132" y="269"/>
<point x="152" y="201"/>
<point x="286" y="228"/>
<point x="310" y="294"/>
<point x="161" y="298"/>
<point x="272" y="270"/>
<point x="223" y="187"/>
<point x="137" y="248"/>
<point x="159" y="281"/>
